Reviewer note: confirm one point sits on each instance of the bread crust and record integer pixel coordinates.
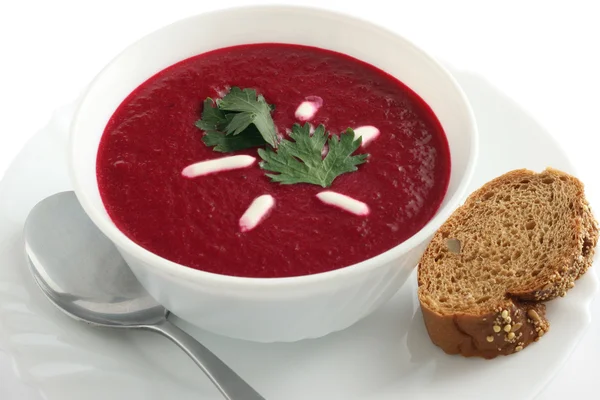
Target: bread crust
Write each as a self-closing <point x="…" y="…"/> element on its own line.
<point x="590" y="240"/>
<point x="509" y="329"/>
<point x="519" y="319"/>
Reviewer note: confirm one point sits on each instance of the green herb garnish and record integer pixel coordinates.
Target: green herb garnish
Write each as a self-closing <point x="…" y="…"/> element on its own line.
<point x="241" y="119"/>
<point x="230" y="143"/>
<point x="301" y="160"/>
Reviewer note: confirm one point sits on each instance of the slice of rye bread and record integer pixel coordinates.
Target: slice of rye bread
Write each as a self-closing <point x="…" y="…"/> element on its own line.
<point x="521" y="239"/>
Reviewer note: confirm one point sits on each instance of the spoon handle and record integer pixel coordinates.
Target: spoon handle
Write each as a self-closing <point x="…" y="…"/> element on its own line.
<point x="225" y="379"/>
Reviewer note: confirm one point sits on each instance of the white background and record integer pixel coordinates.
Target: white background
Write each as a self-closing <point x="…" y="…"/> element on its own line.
<point x="543" y="54"/>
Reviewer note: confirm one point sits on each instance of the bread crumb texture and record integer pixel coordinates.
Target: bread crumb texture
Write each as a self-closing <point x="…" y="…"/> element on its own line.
<point x="521" y="239"/>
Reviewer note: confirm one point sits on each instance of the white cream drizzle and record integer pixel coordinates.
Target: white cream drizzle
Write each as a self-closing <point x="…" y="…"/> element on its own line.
<point x="367" y="132"/>
<point x="344" y="202"/>
<point x="217" y="165"/>
<point x="308" y="108"/>
<point x="257" y="212"/>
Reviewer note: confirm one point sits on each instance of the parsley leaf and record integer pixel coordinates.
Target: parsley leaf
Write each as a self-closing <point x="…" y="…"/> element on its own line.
<point x="252" y="109"/>
<point x="301" y="160"/>
<point x="227" y="144"/>
<point x="239" y="113"/>
<point x="213" y="119"/>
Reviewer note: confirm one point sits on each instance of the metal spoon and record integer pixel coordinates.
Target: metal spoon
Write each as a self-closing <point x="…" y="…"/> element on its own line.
<point x="84" y="275"/>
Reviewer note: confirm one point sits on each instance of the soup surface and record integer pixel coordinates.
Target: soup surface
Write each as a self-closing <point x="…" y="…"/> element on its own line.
<point x="152" y="137"/>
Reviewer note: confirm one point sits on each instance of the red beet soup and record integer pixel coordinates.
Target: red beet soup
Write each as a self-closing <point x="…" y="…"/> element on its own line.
<point x="152" y="138"/>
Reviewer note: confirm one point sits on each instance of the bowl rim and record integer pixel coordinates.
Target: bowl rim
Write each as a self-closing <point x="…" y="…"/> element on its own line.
<point x="179" y="270"/>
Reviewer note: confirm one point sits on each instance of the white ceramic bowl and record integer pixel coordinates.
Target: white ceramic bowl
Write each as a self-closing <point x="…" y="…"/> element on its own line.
<point x="281" y="309"/>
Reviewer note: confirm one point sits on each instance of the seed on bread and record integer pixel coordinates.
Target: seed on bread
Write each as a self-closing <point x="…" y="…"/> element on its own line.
<point x="516" y="327"/>
<point x="534" y="316"/>
<point x="521" y="239"/>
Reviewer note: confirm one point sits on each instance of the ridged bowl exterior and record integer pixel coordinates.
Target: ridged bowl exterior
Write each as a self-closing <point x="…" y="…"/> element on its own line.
<point x="277" y="316"/>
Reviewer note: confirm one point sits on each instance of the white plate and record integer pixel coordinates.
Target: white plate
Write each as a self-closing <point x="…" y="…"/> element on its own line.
<point x="386" y="356"/>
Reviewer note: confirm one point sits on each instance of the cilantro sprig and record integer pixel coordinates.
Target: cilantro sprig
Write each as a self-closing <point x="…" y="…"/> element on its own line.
<point x="301" y="160"/>
<point x="240" y="120"/>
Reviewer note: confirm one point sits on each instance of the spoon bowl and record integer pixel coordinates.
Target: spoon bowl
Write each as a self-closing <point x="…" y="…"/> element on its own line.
<point x="83" y="274"/>
<point x="93" y="283"/>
